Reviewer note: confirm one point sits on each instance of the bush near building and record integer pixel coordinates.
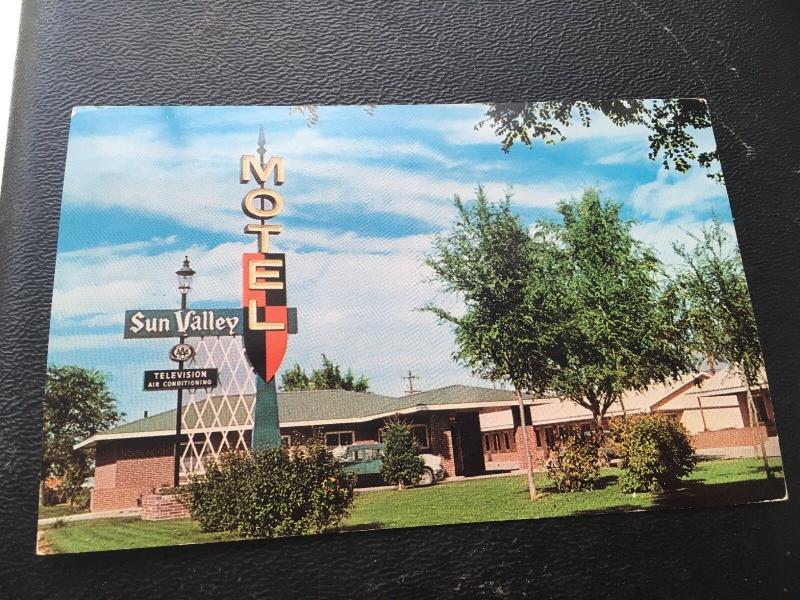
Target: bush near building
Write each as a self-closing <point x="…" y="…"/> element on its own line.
<point x="656" y="452"/>
<point x="573" y="464"/>
<point x="401" y="465"/>
<point x="272" y="492"/>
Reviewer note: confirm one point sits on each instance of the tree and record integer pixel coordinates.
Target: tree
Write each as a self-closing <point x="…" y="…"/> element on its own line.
<point x="719" y="313"/>
<point x="670" y="123"/>
<point x="327" y="377"/>
<point x="490" y="261"/>
<point x="77" y="404"/>
<point x="618" y="329"/>
<point x="401" y="463"/>
<point x="295" y="379"/>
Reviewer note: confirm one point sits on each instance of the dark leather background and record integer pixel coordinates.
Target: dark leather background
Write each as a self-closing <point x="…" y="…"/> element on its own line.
<point x="742" y="56"/>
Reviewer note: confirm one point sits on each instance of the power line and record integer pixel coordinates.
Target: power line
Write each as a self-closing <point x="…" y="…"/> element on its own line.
<point x="410" y="379"/>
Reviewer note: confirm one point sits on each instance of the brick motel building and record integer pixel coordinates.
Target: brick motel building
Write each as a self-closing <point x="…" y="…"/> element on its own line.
<point x="473" y="429"/>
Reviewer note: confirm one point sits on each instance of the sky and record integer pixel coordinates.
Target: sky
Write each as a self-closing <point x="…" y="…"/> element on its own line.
<point x="365" y="192"/>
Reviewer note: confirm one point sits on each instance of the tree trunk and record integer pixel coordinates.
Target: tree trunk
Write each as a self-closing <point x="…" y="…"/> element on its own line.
<point x="524" y="425"/>
<point x="602" y="457"/>
<point x="758" y="439"/>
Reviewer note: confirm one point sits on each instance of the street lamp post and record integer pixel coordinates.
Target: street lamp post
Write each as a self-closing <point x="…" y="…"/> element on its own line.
<point x="185" y="274"/>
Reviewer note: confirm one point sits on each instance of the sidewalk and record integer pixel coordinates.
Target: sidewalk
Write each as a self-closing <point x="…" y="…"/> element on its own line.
<point x="88" y="516"/>
<point x="456" y="478"/>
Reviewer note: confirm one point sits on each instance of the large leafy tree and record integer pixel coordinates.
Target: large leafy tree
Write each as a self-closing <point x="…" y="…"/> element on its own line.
<point x="719" y="312"/>
<point x="492" y="264"/>
<point x="671" y="125"/>
<point x="328" y="376"/>
<point x="618" y="329"/>
<point x="77" y="404"/>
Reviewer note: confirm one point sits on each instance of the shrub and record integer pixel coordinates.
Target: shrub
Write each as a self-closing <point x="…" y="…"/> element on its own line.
<point x="271" y="492"/>
<point x="80" y="499"/>
<point x="52" y="496"/>
<point x="401" y="464"/>
<point x="656" y="452"/>
<point x="573" y="462"/>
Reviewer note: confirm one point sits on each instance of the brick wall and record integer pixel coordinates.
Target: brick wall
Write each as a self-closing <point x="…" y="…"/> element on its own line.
<point x="442" y="441"/>
<point x="162" y="507"/>
<point x="127" y="469"/>
<point x="538" y="454"/>
<point x="729" y="438"/>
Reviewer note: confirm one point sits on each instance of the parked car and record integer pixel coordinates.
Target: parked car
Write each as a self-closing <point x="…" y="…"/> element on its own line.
<point x="364" y="461"/>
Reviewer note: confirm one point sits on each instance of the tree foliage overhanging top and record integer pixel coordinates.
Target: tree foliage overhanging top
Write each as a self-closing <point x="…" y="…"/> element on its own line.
<point x="671" y="124"/>
<point x="327" y="377"/>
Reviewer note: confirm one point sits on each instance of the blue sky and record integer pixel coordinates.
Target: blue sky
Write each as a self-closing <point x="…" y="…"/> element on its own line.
<point x="365" y="192"/>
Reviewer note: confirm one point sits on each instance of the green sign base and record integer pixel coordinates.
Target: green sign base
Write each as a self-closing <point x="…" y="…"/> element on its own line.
<point x="265" y="415"/>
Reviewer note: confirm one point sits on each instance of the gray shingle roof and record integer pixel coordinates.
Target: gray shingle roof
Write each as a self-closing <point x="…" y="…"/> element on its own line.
<point x="331" y="405"/>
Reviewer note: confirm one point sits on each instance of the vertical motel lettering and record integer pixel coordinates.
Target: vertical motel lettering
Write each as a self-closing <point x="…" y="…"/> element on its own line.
<point x="263" y="204"/>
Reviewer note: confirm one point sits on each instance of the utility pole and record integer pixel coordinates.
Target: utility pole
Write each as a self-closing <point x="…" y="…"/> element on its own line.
<point x="410" y="379"/>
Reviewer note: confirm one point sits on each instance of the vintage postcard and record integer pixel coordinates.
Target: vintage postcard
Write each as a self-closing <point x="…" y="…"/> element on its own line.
<point x="273" y="321"/>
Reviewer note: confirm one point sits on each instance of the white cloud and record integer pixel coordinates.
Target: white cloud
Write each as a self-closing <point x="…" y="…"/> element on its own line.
<point x="633" y="154"/>
<point x="83" y="341"/>
<point x="104" y="250"/>
<point x="673" y="192"/>
<point x="660" y="235"/>
<point x="360" y="306"/>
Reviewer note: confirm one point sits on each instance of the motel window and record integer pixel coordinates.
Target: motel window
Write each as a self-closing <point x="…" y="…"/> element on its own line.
<point x="339" y="438"/>
<point x="550" y="437"/>
<point x="496" y="442"/>
<point x="486" y="442"/>
<point x="761" y="409"/>
<point x="538" y="438"/>
<point x="507" y="440"/>
<point x="421" y="435"/>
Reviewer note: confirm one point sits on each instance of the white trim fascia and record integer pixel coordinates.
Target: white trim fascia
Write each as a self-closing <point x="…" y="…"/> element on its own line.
<point x="101" y="437"/>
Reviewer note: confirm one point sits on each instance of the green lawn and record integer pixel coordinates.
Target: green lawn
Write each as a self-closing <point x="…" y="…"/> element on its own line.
<point x="493" y="499"/>
<point x="59" y="510"/>
<point x="497" y="499"/>
<point x="119" y="534"/>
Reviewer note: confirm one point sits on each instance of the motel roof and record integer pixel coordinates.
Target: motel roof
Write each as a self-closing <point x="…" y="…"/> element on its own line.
<point x="727" y="381"/>
<point x="313" y="408"/>
<point x="331" y="407"/>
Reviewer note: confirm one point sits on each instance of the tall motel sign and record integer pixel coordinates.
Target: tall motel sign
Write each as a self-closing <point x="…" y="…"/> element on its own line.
<point x="221" y="350"/>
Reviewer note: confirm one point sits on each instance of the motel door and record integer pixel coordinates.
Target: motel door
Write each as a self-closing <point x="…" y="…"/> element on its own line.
<point x="467" y="445"/>
<point x="458" y="456"/>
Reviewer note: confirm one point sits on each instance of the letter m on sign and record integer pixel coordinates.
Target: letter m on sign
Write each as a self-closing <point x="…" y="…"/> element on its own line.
<point x="266" y="326"/>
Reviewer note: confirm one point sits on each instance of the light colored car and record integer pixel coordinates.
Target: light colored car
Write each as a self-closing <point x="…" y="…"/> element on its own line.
<point x="364" y="461"/>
